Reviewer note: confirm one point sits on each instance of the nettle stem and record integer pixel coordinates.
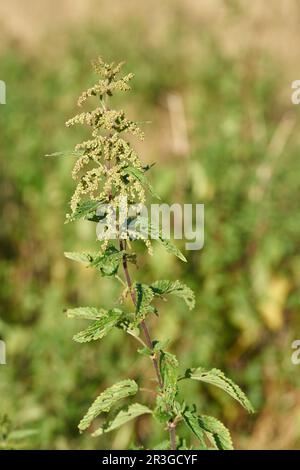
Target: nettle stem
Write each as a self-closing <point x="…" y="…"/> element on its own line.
<point x="145" y="329"/>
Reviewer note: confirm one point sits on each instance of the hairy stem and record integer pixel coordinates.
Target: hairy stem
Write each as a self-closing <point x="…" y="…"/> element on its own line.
<point x="144" y="327"/>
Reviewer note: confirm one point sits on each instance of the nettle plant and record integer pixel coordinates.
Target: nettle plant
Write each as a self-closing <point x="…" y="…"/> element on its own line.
<point x="107" y="170"/>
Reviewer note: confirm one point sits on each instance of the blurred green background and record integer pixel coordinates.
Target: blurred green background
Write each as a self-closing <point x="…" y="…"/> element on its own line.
<point x="214" y="78"/>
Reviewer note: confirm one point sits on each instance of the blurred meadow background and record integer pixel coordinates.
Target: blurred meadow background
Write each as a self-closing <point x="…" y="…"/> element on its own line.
<point x="214" y="78"/>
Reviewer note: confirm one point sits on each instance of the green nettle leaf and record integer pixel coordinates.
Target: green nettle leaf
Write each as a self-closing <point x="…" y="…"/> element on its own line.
<point x="79" y="257"/>
<point x="128" y="324"/>
<point x="171" y="248"/>
<point x="160" y="345"/>
<point x="162" y="411"/>
<point x="142" y="225"/>
<point x="140" y="176"/>
<point x="87" y="313"/>
<point x="201" y="425"/>
<point x="168" y="366"/>
<point x="177" y="288"/>
<point x="145" y="352"/>
<point x="191" y="420"/>
<point x="144" y="297"/>
<point x="128" y="413"/>
<point x="217" y="377"/>
<point x="107" y="399"/>
<point x="85" y="210"/>
<point x="107" y="263"/>
<point x="221" y="435"/>
<point x="106" y="321"/>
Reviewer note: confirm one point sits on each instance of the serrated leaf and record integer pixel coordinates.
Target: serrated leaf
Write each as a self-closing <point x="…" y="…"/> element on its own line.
<point x="107" y="399"/>
<point x="217" y="377"/>
<point x="140" y="176"/>
<point x="145" y="351"/>
<point x="107" y="263"/>
<point x="85" y="210"/>
<point x="171" y="248"/>
<point x="160" y="345"/>
<point x="143" y="226"/>
<point x="219" y="432"/>
<point x="126" y="414"/>
<point x="162" y="411"/>
<point x="176" y="288"/>
<point x="100" y="327"/>
<point x="168" y="366"/>
<point x="129" y="326"/>
<point x="131" y="257"/>
<point x="80" y="257"/>
<point x="87" y="313"/>
<point x="208" y="424"/>
<point x="144" y="297"/>
<point x="191" y="420"/>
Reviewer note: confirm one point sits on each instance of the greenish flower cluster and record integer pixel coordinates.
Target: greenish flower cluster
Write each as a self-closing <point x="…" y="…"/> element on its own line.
<point x="106" y="167"/>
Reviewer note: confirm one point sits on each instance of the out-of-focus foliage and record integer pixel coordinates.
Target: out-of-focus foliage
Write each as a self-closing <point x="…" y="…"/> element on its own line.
<point x="243" y="165"/>
<point x="13" y="439"/>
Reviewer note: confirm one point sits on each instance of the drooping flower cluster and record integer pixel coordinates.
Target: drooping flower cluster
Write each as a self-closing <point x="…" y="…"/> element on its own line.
<point x="107" y="168"/>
